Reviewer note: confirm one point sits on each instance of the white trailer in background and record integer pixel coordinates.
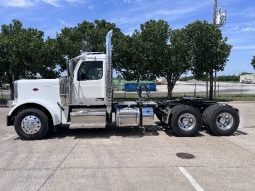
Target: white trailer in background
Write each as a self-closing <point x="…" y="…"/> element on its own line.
<point x="247" y="78"/>
<point x="85" y="100"/>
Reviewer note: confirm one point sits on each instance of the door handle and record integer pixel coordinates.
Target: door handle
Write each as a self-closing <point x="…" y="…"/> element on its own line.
<point x="99" y="99"/>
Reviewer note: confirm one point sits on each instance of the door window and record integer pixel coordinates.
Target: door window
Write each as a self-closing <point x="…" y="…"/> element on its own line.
<point x="90" y="70"/>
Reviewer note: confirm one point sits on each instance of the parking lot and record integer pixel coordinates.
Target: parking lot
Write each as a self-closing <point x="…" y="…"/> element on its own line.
<point x="129" y="159"/>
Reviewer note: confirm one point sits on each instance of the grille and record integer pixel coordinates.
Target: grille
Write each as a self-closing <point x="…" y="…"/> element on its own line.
<point x="64" y="85"/>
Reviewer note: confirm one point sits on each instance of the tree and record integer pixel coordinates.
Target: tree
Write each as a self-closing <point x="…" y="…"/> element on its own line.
<point x="155" y="38"/>
<point x="178" y="62"/>
<point x="25" y="54"/>
<point x="156" y="51"/>
<point x="130" y="58"/>
<point x="51" y="59"/>
<point x="253" y="62"/>
<point x="19" y="48"/>
<point x="87" y="37"/>
<point x="209" y="51"/>
<point x="140" y="54"/>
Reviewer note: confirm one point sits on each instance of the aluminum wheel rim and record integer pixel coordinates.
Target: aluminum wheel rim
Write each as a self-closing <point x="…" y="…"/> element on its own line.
<point x="187" y="121"/>
<point x="31" y="124"/>
<point x="224" y="121"/>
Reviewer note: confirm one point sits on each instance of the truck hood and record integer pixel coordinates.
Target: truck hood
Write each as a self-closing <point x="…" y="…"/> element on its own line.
<point x="40" y="90"/>
<point x="39" y="83"/>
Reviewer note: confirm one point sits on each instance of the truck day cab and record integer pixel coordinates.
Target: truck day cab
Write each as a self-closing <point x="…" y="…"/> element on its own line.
<point x="85" y="100"/>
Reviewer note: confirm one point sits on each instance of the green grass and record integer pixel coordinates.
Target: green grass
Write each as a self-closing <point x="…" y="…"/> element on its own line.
<point x="236" y="97"/>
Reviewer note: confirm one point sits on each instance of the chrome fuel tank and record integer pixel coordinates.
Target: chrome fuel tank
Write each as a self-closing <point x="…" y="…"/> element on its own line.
<point x="128" y="116"/>
<point x="147" y="116"/>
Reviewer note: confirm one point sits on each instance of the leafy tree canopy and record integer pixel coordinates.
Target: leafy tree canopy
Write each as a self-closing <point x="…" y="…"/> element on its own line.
<point x="208" y="49"/>
<point x="253" y="62"/>
<point x="87" y="36"/>
<point x="25" y="54"/>
<point x="155" y="50"/>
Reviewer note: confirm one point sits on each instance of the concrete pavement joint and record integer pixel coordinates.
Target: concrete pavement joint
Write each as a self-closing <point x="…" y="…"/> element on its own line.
<point x="61" y="162"/>
<point x="239" y="146"/>
<point x="123" y="167"/>
<point x="25" y="169"/>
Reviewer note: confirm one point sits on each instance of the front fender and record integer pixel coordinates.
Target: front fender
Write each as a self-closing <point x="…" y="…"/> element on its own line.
<point x="54" y="110"/>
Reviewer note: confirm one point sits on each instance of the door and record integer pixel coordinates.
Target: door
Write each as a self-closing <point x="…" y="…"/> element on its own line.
<point x="89" y="85"/>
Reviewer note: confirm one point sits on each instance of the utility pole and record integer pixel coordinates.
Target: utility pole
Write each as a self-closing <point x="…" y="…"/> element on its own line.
<point x="214" y="23"/>
<point x="219" y="19"/>
<point x="215" y="11"/>
<point x="211" y="72"/>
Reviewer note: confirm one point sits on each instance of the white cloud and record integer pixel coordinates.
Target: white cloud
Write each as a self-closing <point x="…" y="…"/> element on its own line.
<point x="65" y="23"/>
<point x="244" y="47"/>
<point x="76" y="1"/>
<point x="55" y="3"/>
<point x="133" y="16"/>
<point x="30" y="3"/>
<point x="248" y="29"/>
<point x="91" y="7"/>
<point x="125" y="1"/>
<point x="16" y="3"/>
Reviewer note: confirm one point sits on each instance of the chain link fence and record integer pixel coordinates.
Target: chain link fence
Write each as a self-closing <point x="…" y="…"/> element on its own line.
<point x="197" y="89"/>
<point x="224" y="90"/>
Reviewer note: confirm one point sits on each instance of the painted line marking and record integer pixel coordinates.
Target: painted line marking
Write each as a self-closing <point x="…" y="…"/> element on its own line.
<point x="191" y="179"/>
<point x="6" y="138"/>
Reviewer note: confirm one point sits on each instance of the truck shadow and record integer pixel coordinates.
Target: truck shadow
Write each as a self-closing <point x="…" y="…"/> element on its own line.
<point x="125" y="132"/>
<point x="130" y="132"/>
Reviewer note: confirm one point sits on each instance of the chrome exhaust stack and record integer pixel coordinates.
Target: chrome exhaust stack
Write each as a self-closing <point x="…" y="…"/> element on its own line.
<point x="108" y="80"/>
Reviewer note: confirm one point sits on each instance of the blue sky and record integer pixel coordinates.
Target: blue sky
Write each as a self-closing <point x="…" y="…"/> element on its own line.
<point x="52" y="15"/>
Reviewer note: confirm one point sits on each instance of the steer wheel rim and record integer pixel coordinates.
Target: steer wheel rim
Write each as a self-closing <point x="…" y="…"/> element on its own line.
<point x="31" y="124"/>
<point x="187" y="121"/>
<point x="224" y="121"/>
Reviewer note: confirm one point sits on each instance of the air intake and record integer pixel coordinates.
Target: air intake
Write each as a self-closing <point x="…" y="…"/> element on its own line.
<point x="108" y="81"/>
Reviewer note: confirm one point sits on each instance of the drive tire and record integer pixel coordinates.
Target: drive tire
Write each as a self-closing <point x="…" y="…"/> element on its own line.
<point x="206" y="116"/>
<point x="179" y="114"/>
<point x="41" y="118"/>
<point x="230" y="118"/>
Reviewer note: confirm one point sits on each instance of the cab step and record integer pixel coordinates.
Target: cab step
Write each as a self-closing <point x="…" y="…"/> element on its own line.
<point x="88" y="118"/>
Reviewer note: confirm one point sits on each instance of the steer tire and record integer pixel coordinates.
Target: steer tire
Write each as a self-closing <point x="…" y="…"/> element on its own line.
<point x="176" y="116"/>
<point x="214" y="116"/>
<point x="40" y="116"/>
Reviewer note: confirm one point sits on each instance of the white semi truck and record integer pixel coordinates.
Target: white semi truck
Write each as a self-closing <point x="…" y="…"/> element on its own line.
<point x="85" y="100"/>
